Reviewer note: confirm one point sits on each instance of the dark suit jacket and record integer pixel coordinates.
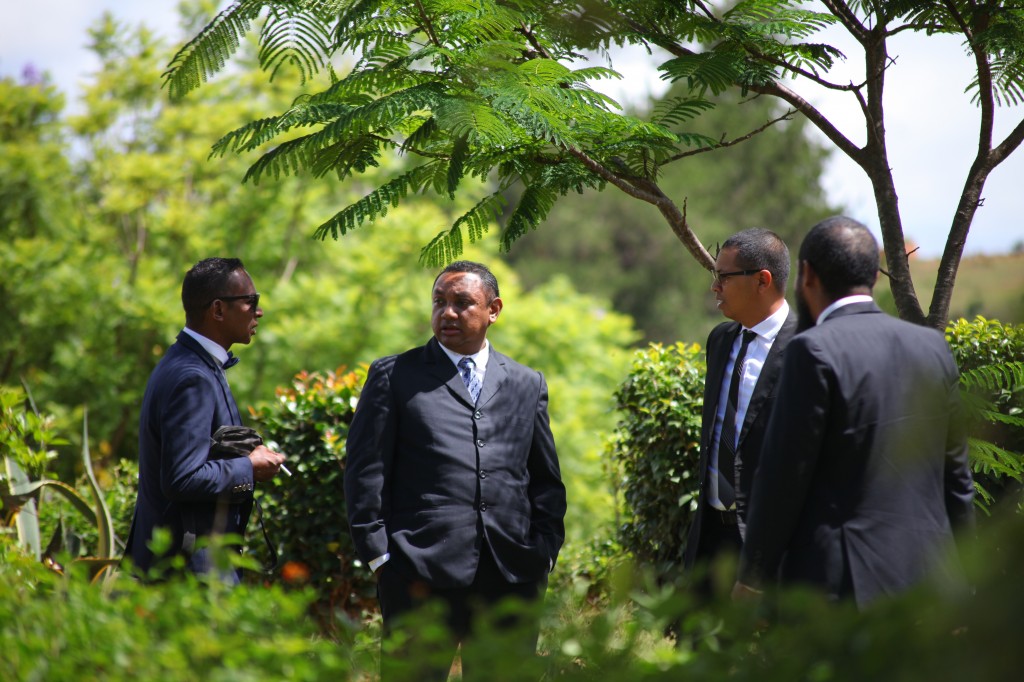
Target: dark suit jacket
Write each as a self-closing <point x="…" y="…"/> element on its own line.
<point x="864" y="470"/>
<point x="430" y="478"/>
<point x="755" y="421"/>
<point x="187" y="398"/>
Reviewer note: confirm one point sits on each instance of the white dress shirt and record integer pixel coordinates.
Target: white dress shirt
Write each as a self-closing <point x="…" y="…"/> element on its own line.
<point x="757" y="353"/>
<point x="839" y="303"/>
<point x="215" y="350"/>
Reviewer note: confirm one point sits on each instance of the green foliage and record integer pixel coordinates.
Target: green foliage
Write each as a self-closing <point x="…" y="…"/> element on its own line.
<point x="989" y="354"/>
<point x="62" y="628"/>
<point x="21" y="496"/>
<point x="59" y="628"/>
<point x="655" y="452"/>
<point x="476" y="90"/>
<point x="25" y="435"/>
<point x="304" y="514"/>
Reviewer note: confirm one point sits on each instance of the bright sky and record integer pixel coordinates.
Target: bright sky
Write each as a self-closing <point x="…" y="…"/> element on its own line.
<point x="932" y="126"/>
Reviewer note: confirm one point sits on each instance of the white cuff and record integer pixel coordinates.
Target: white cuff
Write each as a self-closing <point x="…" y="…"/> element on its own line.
<point x="379" y="561"/>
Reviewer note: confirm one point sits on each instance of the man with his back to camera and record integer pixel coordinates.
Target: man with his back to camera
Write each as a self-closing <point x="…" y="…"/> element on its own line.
<point x="864" y="474"/>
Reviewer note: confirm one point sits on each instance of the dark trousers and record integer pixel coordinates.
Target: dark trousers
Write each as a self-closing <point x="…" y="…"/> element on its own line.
<point x="720" y="542"/>
<point x="423" y="625"/>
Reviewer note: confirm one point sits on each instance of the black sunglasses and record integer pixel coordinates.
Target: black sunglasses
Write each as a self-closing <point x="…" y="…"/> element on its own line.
<point x="253" y="300"/>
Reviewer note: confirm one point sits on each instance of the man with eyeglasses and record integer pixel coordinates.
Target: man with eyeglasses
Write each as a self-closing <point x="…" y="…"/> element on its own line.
<point x="182" y="488"/>
<point x="864" y="475"/>
<point x="743" y="361"/>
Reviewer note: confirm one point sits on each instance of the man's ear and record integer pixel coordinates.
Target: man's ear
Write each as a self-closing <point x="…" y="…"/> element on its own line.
<point x="810" y="277"/>
<point x="494" y="308"/>
<point x="216" y="309"/>
<point x="764" y="279"/>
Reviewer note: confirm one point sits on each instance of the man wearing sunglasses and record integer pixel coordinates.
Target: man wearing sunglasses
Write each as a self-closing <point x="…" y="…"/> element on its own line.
<point x="181" y="487"/>
<point x="743" y="361"/>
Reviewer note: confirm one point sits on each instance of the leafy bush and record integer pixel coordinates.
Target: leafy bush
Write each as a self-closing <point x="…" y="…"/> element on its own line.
<point x="990" y="356"/>
<point x="62" y="628"/>
<point x="305" y="514"/>
<point x="655" y="452"/>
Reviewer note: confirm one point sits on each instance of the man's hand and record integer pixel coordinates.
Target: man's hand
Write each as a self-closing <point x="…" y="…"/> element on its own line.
<point x="265" y="463"/>
<point x="742" y="592"/>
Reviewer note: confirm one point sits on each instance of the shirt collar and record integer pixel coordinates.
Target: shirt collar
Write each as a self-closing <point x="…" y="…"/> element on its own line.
<point x="769" y="327"/>
<point x="479" y="358"/>
<point x="215" y="350"/>
<point x="836" y="305"/>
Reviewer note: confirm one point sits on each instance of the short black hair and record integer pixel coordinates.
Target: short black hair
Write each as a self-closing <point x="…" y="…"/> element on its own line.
<point x="205" y="281"/>
<point x="761" y="249"/>
<point x="486" y="276"/>
<point x="844" y="255"/>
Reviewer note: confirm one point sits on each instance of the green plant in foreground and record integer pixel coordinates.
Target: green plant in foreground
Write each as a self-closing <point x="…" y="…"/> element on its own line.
<point x="22" y="497"/>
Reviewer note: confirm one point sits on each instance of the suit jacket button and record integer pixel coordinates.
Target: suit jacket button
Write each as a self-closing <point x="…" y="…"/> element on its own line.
<point x="483" y="475"/>
<point x="483" y="506"/>
<point x="478" y="414"/>
<point x="479" y="443"/>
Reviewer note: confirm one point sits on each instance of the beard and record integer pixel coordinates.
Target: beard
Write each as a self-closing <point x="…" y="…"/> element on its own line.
<point x="804" y="319"/>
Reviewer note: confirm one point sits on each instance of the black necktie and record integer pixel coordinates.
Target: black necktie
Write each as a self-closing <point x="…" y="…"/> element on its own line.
<point x="231" y="361"/>
<point x="727" y="439"/>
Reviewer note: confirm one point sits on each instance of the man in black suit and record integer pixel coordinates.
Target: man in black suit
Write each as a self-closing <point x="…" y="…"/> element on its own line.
<point x="452" y="481"/>
<point x="181" y="487"/>
<point x="864" y="473"/>
<point x="750" y="284"/>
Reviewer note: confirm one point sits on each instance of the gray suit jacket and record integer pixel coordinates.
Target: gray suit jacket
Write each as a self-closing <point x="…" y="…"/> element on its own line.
<point x="755" y="421"/>
<point x="433" y="479"/>
<point x="864" y="471"/>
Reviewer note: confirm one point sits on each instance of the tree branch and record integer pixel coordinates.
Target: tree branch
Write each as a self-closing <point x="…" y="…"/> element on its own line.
<point x="776" y="89"/>
<point x="848" y="19"/>
<point x="427" y="25"/>
<point x="693" y="152"/>
<point x="646" y="190"/>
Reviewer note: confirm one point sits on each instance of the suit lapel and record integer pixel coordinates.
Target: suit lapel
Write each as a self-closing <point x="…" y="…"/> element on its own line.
<point x="441" y="366"/>
<point x="769" y="373"/>
<point x="229" y="400"/>
<point x="494" y="377"/>
<point x="718" y="357"/>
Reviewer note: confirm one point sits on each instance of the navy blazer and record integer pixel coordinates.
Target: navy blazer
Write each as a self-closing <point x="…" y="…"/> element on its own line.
<point x="755" y="421"/>
<point x="433" y="479"/>
<point x="180" y="488"/>
<point x="864" y="471"/>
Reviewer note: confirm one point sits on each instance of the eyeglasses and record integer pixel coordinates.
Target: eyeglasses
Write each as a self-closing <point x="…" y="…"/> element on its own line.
<point x="252" y="299"/>
<point x="720" y="277"/>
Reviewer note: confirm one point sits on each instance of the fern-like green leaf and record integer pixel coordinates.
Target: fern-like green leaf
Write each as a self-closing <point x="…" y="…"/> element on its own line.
<point x="533" y="207"/>
<point x="446" y="246"/>
<point x="208" y="52"/>
<point x="377" y="203"/>
<point x="708" y="71"/>
<point x="290" y="36"/>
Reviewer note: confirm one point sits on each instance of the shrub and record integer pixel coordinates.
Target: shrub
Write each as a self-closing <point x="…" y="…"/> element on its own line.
<point x="305" y="514"/>
<point x="62" y="628"/>
<point x="654" y="453"/>
<point x="990" y="356"/>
